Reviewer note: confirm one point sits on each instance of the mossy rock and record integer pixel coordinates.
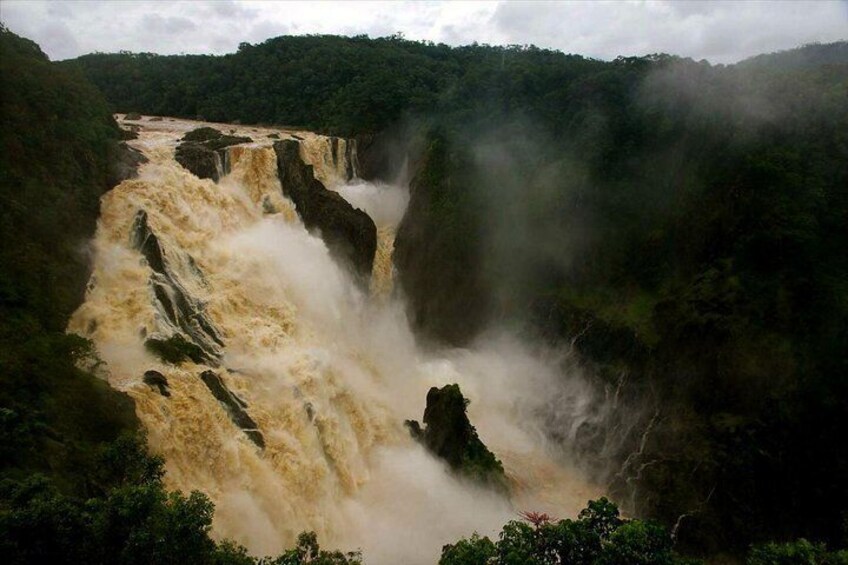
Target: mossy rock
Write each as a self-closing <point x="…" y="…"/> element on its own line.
<point x="448" y="434"/>
<point x="175" y="350"/>
<point x="202" y="134"/>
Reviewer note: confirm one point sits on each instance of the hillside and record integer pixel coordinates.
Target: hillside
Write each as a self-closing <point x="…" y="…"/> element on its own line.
<point x="59" y="148"/>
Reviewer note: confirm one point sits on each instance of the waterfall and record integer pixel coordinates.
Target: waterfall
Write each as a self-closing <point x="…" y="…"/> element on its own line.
<point x="294" y="420"/>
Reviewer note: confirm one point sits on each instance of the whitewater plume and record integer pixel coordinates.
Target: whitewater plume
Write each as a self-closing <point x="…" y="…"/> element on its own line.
<point x="292" y="419"/>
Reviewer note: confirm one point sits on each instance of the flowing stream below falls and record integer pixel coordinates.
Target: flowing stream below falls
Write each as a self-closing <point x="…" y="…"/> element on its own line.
<point x="324" y="371"/>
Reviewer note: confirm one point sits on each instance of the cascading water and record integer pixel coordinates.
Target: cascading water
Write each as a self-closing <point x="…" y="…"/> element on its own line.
<point x="296" y="422"/>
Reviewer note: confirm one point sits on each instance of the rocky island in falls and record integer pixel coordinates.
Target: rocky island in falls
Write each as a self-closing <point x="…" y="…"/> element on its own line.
<point x="341" y="300"/>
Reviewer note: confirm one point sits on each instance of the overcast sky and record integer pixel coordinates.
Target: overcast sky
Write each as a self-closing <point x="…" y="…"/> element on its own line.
<point x="721" y="32"/>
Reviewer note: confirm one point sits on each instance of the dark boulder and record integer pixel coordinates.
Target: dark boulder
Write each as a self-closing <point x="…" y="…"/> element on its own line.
<point x="157" y="380"/>
<point x="449" y="435"/>
<point x="235" y="407"/>
<point x="202" y="134"/>
<point x="176" y="349"/>
<point x="200" y="161"/>
<point x="143" y="239"/>
<point x="156" y="119"/>
<point x="202" y="152"/>
<point x="132" y="116"/>
<point x="349" y="233"/>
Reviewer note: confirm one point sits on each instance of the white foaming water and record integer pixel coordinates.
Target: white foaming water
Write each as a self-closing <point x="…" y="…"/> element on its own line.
<point x="328" y="372"/>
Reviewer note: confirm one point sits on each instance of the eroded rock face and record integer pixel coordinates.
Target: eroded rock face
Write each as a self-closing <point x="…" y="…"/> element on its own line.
<point x="349" y="233"/>
<point x="203" y="152"/>
<point x="448" y="434"/>
<point x="235" y="407"/>
<point x="182" y="312"/>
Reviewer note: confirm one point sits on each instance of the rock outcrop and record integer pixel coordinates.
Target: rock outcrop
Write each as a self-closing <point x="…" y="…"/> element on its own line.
<point x="449" y="435"/>
<point x="179" y="310"/>
<point x="349" y="233"/>
<point x="203" y="152"/>
<point x="157" y="380"/>
<point x="235" y="407"/>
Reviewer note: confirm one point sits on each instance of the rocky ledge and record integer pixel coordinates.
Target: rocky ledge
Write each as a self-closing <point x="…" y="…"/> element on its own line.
<point x="203" y="152"/>
<point x="350" y="234"/>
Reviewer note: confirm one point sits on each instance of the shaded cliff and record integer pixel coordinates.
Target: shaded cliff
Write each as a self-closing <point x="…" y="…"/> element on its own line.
<point x="437" y="249"/>
<point x="349" y="233"/>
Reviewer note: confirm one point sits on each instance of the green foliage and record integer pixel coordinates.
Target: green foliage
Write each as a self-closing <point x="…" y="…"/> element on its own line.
<point x="475" y="550"/>
<point x="175" y="349"/>
<point x="598" y="536"/>
<point x="308" y="551"/>
<point x="57" y="143"/>
<point x="133" y="520"/>
<point x="799" y="552"/>
<point x="684" y="225"/>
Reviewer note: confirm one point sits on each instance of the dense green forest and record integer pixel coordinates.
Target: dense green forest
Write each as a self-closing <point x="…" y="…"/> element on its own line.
<point x="682" y="223"/>
<point x="58" y="145"/>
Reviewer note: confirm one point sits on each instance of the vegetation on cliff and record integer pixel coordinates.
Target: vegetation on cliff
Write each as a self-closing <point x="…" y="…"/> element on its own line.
<point x="684" y="225"/>
<point x="58" y="145"/>
<point x="134" y="521"/>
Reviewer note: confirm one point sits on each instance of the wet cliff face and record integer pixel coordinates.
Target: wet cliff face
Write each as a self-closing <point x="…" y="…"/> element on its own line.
<point x="348" y="232"/>
<point x="436" y="250"/>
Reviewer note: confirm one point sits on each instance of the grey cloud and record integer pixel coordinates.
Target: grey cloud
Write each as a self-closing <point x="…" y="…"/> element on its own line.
<point x="60" y="10"/>
<point x="58" y="40"/>
<point x="167" y="25"/>
<point x="232" y="10"/>
<point x="721" y="32"/>
<point x="221" y="44"/>
<point x="697" y="7"/>
<point x="265" y="30"/>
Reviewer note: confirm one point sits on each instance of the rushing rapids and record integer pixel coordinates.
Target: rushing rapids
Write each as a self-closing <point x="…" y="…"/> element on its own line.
<point x="292" y="419"/>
